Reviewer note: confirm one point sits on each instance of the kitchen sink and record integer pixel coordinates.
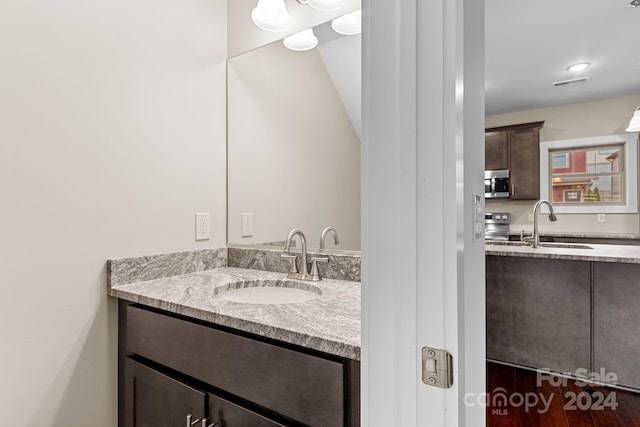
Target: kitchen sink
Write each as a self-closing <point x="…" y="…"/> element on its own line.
<point x="543" y="245"/>
<point x="268" y="292"/>
<point x="565" y="245"/>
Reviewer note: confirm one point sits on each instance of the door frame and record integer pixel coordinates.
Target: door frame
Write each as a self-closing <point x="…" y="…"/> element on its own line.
<point x="422" y="164"/>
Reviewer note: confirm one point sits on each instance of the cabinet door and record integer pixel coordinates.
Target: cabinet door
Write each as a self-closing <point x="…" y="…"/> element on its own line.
<point x="616" y="321"/>
<point x="496" y="151"/>
<point x="524" y="163"/>
<point x="154" y="399"/>
<point x="229" y="414"/>
<point x="538" y="312"/>
<point x="307" y="388"/>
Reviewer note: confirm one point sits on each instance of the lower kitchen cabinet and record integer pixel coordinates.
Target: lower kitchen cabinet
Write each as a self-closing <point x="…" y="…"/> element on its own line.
<point x="616" y="321"/>
<point x="227" y="375"/>
<point x="538" y="312"/>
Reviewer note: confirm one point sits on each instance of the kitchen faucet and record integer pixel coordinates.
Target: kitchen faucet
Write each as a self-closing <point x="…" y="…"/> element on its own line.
<point x="303" y="272"/>
<point x="324" y="236"/>
<point x="535" y="237"/>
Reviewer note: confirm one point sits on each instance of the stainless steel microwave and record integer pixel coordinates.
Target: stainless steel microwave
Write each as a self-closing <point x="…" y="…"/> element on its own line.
<point x="496" y="184"/>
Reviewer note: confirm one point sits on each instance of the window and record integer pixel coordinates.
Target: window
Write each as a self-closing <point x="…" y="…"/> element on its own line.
<point x="590" y="175"/>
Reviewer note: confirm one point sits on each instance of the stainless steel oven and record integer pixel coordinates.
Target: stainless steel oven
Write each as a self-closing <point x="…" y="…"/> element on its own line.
<point x="496" y="184"/>
<point x="496" y="226"/>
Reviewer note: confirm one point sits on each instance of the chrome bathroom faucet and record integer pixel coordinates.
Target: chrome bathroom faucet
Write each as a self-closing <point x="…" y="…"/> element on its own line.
<point x="326" y="231"/>
<point x="303" y="272"/>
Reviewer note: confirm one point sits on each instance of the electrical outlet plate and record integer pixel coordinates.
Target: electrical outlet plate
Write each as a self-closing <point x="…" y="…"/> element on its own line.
<point x="601" y="217"/>
<point x="202" y="226"/>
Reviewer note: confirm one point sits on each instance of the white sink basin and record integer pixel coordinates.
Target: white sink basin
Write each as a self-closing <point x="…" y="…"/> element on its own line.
<point x="268" y="292"/>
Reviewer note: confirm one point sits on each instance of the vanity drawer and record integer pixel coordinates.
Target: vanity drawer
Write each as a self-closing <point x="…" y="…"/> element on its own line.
<point x="303" y="387"/>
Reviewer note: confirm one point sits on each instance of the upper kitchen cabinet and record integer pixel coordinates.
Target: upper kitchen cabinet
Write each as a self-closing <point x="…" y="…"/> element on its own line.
<point x="516" y="148"/>
<point x="496" y="150"/>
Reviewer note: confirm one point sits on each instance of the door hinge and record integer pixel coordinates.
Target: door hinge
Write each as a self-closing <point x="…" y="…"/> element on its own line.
<point x="437" y="367"/>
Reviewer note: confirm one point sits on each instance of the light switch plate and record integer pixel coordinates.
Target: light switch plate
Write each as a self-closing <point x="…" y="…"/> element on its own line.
<point x="602" y="217"/>
<point x="202" y="226"/>
<point x="247" y="225"/>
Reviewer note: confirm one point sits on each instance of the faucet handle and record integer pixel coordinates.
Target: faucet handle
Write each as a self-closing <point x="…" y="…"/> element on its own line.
<point x="524" y="238"/>
<point x="315" y="274"/>
<point x="293" y="267"/>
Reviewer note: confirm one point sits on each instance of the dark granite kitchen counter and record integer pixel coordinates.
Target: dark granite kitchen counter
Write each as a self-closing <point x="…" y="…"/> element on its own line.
<point x="595" y="252"/>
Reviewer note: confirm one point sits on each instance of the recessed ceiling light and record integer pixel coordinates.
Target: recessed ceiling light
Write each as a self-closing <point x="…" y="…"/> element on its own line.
<point x="579" y="67"/>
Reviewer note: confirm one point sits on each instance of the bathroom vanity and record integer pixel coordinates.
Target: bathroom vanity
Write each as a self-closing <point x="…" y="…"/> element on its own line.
<point x="188" y="352"/>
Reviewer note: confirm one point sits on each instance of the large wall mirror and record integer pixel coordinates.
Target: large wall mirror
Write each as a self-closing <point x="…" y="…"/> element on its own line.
<point x="293" y="142"/>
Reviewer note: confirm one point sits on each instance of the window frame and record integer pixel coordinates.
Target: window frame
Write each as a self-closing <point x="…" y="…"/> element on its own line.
<point x="630" y="144"/>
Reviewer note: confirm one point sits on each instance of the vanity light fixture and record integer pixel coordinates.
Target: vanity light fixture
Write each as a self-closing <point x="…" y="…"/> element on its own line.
<point x="270" y="15"/>
<point x="325" y="5"/>
<point x="634" y="124"/>
<point x="349" y="24"/>
<point x="303" y="40"/>
<point x="579" y="67"/>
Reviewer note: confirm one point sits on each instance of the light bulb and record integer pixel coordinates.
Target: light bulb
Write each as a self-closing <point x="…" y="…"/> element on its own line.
<point x="325" y="5"/>
<point x="270" y="15"/>
<point x="634" y="124"/>
<point x="304" y="40"/>
<point x="349" y="24"/>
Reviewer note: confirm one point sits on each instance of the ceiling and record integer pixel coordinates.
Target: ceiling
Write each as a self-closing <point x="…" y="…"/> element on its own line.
<point x="530" y="44"/>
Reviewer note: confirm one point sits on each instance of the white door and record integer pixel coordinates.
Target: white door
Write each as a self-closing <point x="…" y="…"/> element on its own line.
<point x="422" y="162"/>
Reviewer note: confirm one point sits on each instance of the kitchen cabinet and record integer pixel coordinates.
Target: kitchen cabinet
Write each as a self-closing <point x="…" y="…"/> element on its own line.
<point x="517" y="148"/>
<point x="496" y="150"/>
<point x="239" y="378"/>
<point x="538" y="312"/>
<point x="616" y="321"/>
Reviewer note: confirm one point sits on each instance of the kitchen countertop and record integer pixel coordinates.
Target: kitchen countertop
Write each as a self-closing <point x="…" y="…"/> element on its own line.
<point x="580" y="235"/>
<point x="601" y="253"/>
<point x="329" y="323"/>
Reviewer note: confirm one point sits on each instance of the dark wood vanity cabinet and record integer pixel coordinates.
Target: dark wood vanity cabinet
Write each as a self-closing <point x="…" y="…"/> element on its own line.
<point x="237" y="378"/>
<point x="516" y="148"/>
<point x="155" y="399"/>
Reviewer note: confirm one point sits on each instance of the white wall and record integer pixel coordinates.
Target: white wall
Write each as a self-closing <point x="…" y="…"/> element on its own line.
<point x="342" y="58"/>
<point x="595" y="118"/>
<point x="294" y="158"/>
<point x="112" y="134"/>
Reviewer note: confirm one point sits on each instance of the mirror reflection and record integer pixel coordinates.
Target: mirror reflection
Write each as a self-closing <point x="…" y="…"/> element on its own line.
<point x="293" y="144"/>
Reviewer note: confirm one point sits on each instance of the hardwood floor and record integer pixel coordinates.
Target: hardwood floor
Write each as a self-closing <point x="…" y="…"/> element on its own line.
<point x="522" y="398"/>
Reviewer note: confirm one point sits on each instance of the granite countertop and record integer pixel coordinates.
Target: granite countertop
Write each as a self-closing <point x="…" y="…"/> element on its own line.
<point x="329" y="323"/>
<point x="581" y="235"/>
<point x="602" y="253"/>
